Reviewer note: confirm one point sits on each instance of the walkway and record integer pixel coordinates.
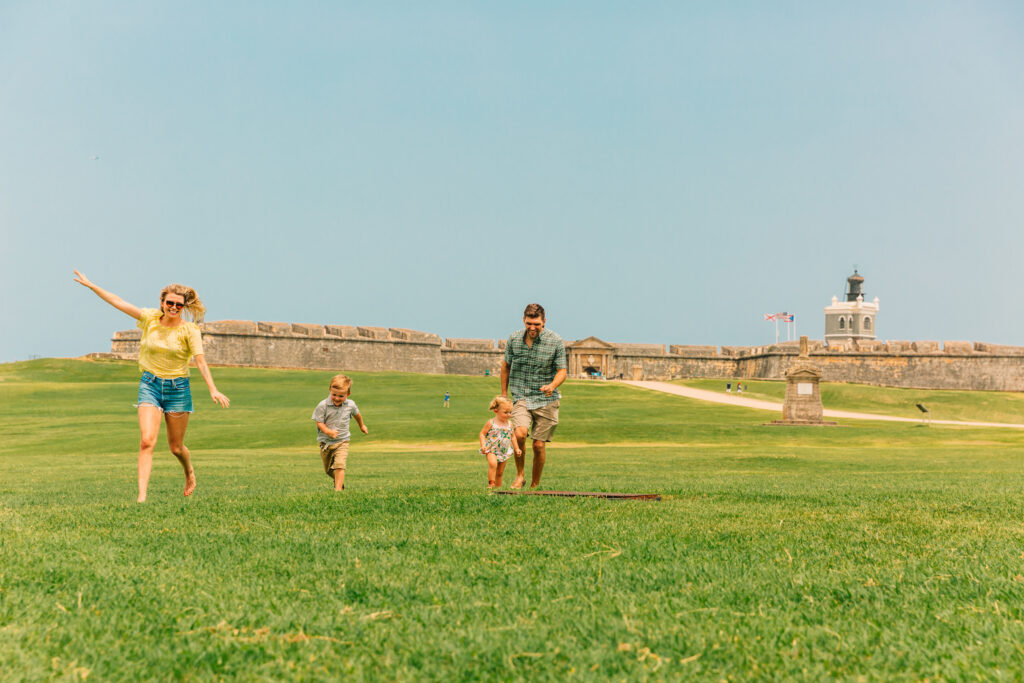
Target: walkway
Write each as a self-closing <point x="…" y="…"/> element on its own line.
<point x="743" y="401"/>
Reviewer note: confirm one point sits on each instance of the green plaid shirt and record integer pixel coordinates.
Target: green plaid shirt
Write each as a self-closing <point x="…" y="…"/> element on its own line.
<point x="531" y="367"/>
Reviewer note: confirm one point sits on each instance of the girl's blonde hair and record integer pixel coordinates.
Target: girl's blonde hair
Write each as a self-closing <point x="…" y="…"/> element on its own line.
<point x="500" y="401"/>
<point x="194" y="308"/>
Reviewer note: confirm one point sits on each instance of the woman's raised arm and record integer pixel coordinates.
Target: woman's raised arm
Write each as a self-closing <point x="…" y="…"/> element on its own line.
<point x="112" y="299"/>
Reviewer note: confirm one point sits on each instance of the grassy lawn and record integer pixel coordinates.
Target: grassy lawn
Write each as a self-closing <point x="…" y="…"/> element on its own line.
<point x="968" y="406"/>
<point x="868" y="550"/>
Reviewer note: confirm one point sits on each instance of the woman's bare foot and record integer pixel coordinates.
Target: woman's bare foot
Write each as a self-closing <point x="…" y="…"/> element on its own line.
<point x="518" y="483"/>
<point x="190" y="482"/>
<point x="141" y="498"/>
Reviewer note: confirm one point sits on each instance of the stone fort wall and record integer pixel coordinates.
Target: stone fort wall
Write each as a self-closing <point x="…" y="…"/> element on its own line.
<point x="333" y="347"/>
<point x="920" y="364"/>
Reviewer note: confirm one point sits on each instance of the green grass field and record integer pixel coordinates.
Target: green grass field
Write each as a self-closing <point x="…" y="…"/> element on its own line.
<point x="868" y="550"/>
<point x="963" y="406"/>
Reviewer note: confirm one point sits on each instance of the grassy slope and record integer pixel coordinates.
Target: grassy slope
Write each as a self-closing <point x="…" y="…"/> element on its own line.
<point x="869" y="549"/>
<point x="970" y="406"/>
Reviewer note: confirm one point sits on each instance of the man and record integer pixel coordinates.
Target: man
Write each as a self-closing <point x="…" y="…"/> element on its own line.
<point x="533" y="368"/>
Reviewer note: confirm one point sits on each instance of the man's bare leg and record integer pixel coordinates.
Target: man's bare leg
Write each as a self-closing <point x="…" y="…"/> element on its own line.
<point x="540" y="455"/>
<point x="339" y="479"/>
<point x="149" y="429"/>
<point x="177" y="423"/>
<point x="520" y="479"/>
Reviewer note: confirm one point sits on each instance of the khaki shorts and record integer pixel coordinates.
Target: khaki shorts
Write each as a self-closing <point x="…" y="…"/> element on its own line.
<point x="541" y="421"/>
<point x="334" y="455"/>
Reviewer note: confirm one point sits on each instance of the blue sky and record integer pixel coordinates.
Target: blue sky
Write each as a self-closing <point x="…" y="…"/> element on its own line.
<point x="662" y="172"/>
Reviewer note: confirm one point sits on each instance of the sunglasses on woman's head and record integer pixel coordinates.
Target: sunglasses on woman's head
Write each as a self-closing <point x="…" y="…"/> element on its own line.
<point x="176" y="304"/>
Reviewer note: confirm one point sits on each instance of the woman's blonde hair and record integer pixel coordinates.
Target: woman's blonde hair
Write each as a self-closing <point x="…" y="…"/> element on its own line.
<point x="194" y="308"/>
<point x="500" y="401"/>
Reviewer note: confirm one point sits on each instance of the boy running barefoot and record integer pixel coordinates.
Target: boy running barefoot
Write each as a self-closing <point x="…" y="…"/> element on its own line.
<point x="332" y="418"/>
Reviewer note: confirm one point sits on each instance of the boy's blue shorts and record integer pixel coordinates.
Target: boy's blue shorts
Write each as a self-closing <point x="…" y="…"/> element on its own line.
<point x="169" y="395"/>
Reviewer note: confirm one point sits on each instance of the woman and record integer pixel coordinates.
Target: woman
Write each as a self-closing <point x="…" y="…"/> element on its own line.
<point x="168" y="341"/>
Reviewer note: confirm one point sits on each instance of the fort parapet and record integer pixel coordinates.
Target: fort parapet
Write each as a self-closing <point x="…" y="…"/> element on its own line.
<point x="329" y="347"/>
<point x="912" y="364"/>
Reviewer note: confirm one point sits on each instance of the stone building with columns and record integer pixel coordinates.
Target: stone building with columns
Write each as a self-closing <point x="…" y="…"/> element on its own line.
<point x="590" y="357"/>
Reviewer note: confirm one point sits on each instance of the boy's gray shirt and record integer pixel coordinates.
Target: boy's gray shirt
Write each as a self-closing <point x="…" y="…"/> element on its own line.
<point x="335" y="417"/>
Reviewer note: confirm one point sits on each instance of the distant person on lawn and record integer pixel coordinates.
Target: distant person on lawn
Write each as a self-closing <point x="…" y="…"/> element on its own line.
<point x="332" y="416"/>
<point x="168" y="342"/>
<point x="532" y="370"/>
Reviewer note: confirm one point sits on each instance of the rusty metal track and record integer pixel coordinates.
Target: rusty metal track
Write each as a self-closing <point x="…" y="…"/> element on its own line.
<point x="584" y="494"/>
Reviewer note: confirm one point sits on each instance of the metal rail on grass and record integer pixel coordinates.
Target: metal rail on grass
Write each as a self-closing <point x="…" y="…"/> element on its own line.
<point x="584" y="494"/>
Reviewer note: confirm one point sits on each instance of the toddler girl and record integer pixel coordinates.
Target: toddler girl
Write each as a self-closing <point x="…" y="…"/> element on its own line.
<point x="497" y="441"/>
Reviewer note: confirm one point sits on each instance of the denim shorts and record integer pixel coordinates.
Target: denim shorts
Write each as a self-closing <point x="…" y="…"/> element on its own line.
<point x="169" y="395"/>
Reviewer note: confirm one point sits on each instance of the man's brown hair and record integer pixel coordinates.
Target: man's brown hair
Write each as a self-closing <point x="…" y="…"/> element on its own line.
<point x="534" y="311"/>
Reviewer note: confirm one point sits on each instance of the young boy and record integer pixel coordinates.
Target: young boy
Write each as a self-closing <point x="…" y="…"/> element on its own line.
<point x="332" y="417"/>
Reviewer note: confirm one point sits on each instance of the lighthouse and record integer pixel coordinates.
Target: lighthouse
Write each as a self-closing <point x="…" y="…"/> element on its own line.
<point x="853" y="318"/>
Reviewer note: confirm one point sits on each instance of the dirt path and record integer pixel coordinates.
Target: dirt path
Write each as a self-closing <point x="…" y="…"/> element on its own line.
<point x="743" y="401"/>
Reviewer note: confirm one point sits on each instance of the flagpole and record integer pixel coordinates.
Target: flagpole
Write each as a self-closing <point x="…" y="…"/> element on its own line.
<point x="775" y="317"/>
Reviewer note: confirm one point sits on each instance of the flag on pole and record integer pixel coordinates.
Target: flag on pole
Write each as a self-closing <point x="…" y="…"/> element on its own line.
<point x="787" y="317"/>
<point x="769" y="316"/>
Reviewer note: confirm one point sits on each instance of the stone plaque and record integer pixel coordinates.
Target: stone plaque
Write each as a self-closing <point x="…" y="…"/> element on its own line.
<point x="804" y="389"/>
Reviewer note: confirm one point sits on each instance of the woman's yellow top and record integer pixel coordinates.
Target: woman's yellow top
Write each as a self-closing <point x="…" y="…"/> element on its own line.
<point x="166" y="351"/>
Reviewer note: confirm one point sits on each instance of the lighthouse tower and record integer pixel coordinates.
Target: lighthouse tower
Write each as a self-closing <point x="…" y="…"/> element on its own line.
<point x="853" y="318"/>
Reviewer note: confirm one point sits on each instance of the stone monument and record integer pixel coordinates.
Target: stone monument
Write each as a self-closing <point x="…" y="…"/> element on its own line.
<point x="803" y="396"/>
